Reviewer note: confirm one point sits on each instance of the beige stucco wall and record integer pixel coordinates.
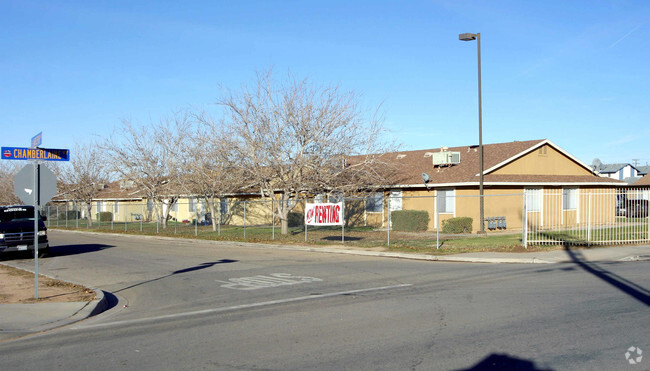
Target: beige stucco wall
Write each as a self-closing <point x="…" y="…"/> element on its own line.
<point x="546" y="160"/>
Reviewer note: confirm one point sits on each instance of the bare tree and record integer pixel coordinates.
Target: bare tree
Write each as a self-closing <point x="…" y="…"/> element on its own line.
<point x="8" y="170"/>
<point x="149" y="157"/>
<point x="83" y="177"/>
<point x="210" y="165"/>
<point x="294" y="139"/>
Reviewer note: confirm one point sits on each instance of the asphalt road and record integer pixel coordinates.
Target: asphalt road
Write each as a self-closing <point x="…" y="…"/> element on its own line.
<point x="188" y="305"/>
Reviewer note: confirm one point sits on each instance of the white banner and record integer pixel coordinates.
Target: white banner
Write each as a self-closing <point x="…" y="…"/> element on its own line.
<point x="324" y="214"/>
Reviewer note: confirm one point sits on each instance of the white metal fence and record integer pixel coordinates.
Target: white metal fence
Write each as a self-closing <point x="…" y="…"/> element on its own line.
<point x="540" y="216"/>
<point x="586" y="216"/>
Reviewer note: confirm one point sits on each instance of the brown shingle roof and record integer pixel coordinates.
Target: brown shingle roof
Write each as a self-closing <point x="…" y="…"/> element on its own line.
<point x="411" y="164"/>
<point x="643" y="182"/>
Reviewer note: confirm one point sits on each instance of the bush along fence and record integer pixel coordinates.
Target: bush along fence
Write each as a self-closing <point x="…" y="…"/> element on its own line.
<point x="537" y="216"/>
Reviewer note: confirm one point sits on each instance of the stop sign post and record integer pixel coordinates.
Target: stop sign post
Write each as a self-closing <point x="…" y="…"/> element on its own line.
<point x="35" y="184"/>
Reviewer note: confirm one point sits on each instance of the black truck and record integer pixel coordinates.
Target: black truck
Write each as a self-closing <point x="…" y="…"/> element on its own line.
<point x="17" y="230"/>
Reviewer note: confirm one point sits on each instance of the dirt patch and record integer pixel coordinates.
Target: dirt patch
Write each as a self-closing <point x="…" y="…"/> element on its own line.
<point x="18" y="288"/>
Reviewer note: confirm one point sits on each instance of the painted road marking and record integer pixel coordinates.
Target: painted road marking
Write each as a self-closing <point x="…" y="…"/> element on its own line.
<point x="261" y="282"/>
<point x="239" y="307"/>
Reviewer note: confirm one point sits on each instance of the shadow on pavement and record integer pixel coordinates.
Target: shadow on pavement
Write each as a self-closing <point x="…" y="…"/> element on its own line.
<point x="505" y="362"/>
<point x="632" y="289"/>
<point x="180" y="271"/>
<point x="65" y="250"/>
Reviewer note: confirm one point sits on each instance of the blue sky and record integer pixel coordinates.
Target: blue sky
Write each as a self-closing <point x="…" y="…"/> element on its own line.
<point x="574" y="72"/>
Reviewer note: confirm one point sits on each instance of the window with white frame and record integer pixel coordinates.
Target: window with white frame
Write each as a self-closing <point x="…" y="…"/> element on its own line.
<point x="116" y="207"/>
<point x="100" y="206"/>
<point x="375" y="202"/>
<point x="446" y="201"/>
<point x="223" y="205"/>
<point x="533" y="199"/>
<point x="569" y="198"/>
<point x="191" y="205"/>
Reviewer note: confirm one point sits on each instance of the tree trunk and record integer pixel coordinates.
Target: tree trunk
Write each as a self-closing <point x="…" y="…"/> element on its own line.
<point x="89" y="215"/>
<point x="213" y="215"/>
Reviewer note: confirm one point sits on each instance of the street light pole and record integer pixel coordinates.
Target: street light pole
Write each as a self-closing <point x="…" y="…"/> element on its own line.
<point x="477" y="37"/>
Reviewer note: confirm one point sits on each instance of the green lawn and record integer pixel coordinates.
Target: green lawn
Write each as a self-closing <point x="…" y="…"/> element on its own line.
<point x="361" y="237"/>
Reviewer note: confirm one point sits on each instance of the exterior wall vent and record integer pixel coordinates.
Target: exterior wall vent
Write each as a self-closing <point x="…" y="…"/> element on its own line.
<point x="445" y="158"/>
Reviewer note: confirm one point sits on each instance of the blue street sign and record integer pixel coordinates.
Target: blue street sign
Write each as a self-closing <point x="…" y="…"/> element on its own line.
<point x="44" y="154"/>
<point x="37" y="140"/>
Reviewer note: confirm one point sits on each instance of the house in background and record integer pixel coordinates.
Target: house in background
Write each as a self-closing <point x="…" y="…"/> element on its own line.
<point x="625" y="172"/>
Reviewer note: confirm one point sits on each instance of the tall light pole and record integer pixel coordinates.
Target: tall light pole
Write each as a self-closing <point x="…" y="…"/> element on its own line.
<point x="477" y="37"/>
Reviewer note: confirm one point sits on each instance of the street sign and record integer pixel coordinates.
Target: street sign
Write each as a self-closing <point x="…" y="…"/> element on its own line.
<point x="44" y="154"/>
<point x="37" y="140"/>
<point x="24" y="186"/>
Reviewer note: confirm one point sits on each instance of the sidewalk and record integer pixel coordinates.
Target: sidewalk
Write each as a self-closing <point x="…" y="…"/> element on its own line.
<point x="17" y="320"/>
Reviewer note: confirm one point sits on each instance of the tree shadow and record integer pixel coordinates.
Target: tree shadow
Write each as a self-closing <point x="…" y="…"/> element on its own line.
<point x="181" y="271"/>
<point x="630" y="288"/>
<point x="504" y="362"/>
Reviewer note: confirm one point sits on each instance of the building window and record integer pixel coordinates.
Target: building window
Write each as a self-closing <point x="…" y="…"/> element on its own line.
<point x="446" y="201"/>
<point x="191" y="206"/>
<point x="116" y="207"/>
<point x="569" y="198"/>
<point x="375" y="203"/>
<point x="534" y="199"/>
<point x="99" y="206"/>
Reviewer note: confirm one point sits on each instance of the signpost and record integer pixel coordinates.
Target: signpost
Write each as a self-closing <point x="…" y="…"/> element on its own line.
<point x="35" y="184"/>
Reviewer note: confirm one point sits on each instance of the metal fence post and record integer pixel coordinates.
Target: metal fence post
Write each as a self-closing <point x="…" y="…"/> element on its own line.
<point x="244" y="219"/>
<point x="388" y="229"/>
<point x="272" y="218"/>
<point x="524" y="223"/>
<point x="141" y="215"/>
<point x="343" y="222"/>
<point x="589" y="219"/>
<point x="305" y="208"/>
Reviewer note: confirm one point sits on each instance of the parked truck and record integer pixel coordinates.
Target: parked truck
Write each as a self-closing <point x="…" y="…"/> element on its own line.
<point x="17" y="230"/>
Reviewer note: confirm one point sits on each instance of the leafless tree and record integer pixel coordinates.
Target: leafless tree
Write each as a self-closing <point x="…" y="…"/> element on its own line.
<point x="148" y="156"/>
<point x="82" y="179"/>
<point x="294" y="139"/>
<point x="210" y="166"/>
<point x="8" y="170"/>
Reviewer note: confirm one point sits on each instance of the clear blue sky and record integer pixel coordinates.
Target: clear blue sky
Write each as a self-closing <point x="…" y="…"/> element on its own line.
<point x="574" y="72"/>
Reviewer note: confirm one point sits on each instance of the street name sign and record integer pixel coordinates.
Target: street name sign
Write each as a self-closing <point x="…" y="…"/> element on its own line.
<point x="37" y="140"/>
<point x="44" y="154"/>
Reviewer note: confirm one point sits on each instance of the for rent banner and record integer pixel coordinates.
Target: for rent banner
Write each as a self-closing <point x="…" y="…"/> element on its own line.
<point x="324" y="214"/>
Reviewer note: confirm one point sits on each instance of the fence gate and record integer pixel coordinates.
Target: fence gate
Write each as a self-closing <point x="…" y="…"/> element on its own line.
<point x="577" y="216"/>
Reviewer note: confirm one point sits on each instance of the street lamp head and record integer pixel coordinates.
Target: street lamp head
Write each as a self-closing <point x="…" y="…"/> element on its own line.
<point x="467" y="36"/>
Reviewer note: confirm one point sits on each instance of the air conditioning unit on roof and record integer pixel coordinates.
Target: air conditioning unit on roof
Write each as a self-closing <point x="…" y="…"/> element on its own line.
<point x="445" y="158"/>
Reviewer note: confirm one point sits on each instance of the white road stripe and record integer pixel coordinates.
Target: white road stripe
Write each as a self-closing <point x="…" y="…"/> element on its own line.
<point x="238" y="307"/>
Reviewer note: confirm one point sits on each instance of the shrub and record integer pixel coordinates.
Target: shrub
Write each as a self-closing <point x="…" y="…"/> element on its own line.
<point x="69" y="215"/>
<point x="457" y="225"/>
<point x="105" y="216"/>
<point x="296" y="219"/>
<point x="409" y="220"/>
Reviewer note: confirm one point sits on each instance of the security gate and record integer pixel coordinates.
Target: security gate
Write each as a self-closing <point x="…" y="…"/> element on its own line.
<point x="577" y="216"/>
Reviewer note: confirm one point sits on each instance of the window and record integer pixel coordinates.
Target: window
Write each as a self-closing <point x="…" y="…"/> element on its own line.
<point x="223" y="205"/>
<point x="375" y="203"/>
<point x="116" y="207"/>
<point x="446" y="201"/>
<point x="569" y="198"/>
<point x="534" y="199"/>
<point x="191" y="206"/>
<point x="99" y="206"/>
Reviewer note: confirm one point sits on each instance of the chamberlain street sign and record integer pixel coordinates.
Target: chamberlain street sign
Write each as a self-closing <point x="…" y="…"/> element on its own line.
<point x="43" y="154"/>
